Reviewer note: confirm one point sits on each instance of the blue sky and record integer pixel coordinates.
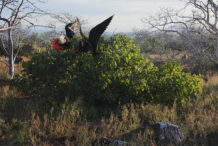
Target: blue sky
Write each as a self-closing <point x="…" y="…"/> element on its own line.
<point x="128" y="13"/>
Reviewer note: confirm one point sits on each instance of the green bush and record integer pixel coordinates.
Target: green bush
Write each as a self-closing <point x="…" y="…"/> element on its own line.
<point x="174" y="84"/>
<point x="154" y="45"/>
<point x="118" y="74"/>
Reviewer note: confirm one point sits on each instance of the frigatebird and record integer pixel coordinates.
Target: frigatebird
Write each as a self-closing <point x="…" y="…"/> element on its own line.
<point x="90" y="43"/>
<point x="86" y="44"/>
<point x="63" y="42"/>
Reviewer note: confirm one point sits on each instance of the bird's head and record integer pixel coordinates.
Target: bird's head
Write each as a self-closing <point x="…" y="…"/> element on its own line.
<point x="62" y="39"/>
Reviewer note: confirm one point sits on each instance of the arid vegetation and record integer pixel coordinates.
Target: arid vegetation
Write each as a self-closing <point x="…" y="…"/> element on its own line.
<point x="47" y="108"/>
<point x="129" y="84"/>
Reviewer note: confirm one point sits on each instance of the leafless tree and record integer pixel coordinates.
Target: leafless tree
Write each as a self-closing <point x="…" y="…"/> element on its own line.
<point x="200" y="22"/>
<point x="65" y="18"/>
<point x="13" y="13"/>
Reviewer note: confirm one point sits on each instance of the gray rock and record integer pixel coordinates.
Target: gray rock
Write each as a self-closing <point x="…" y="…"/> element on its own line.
<point x="108" y="141"/>
<point x="212" y="138"/>
<point x="166" y="133"/>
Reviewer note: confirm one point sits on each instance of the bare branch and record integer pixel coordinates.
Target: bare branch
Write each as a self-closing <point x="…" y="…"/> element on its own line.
<point x="5" y="29"/>
<point x="202" y="22"/>
<point x="17" y="11"/>
<point x="13" y="13"/>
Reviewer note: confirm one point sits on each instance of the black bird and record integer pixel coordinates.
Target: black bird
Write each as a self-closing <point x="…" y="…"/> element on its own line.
<point x="69" y="28"/>
<point x="90" y="44"/>
<point x="64" y="40"/>
<point x="18" y="60"/>
<point x="86" y="44"/>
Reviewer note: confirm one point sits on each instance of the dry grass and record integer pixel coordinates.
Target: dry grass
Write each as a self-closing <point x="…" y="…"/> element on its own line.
<point x="172" y="55"/>
<point x="68" y="126"/>
<point x="32" y="122"/>
<point x="194" y="63"/>
<point x="213" y="80"/>
<point x="4" y="67"/>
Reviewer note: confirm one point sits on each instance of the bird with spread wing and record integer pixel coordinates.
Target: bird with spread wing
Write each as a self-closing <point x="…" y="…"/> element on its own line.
<point x="86" y="44"/>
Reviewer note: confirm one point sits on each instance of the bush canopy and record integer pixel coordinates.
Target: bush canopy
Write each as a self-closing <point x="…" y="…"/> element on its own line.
<point x="118" y="74"/>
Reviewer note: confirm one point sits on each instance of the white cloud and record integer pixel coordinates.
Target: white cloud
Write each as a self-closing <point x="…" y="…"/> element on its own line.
<point x="127" y="12"/>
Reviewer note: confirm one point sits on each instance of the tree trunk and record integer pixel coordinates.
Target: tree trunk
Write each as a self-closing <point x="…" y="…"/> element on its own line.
<point x="216" y="47"/>
<point x="11" y="55"/>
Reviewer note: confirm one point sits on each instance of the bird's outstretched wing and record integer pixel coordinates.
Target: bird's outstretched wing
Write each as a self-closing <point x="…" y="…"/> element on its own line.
<point x="69" y="29"/>
<point x="97" y="31"/>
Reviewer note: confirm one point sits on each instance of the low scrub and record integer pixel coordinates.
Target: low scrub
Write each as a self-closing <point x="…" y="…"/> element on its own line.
<point x="67" y="124"/>
<point x="118" y="74"/>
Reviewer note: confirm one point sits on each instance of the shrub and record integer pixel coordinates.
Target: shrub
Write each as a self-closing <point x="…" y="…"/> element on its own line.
<point x="59" y="125"/>
<point x="198" y="122"/>
<point x="154" y="45"/>
<point x="174" y="84"/>
<point x="118" y="74"/>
